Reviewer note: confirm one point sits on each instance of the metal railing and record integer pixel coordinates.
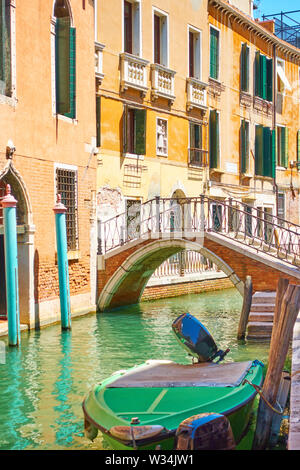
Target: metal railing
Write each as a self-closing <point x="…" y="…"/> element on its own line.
<point x="187" y="218"/>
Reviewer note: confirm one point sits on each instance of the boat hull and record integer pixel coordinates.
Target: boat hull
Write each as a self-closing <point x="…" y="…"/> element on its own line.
<point x="236" y="405"/>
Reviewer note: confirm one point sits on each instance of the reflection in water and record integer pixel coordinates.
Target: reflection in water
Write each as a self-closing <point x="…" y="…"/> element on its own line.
<point x="42" y="384"/>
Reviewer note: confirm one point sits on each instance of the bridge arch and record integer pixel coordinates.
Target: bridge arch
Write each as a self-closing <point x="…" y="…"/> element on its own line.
<point x="125" y="286"/>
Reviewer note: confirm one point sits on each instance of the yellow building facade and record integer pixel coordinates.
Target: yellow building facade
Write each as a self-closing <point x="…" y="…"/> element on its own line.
<point x="190" y="101"/>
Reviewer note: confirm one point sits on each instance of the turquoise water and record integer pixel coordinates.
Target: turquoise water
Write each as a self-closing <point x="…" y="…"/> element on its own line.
<point x="42" y="384"/>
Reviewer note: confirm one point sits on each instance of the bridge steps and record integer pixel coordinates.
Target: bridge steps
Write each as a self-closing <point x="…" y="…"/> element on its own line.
<point x="261" y="315"/>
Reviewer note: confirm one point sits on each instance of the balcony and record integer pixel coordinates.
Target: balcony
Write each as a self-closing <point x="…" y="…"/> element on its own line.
<point x="162" y="81"/>
<point x="99" y="62"/>
<point x="196" y="94"/>
<point x="245" y="99"/>
<point x="262" y="105"/>
<point x="198" y="157"/>
<point x="133" y="73"/>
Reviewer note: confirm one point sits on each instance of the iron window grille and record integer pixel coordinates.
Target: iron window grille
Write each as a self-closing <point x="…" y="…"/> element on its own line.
<point x="66" y="186"/>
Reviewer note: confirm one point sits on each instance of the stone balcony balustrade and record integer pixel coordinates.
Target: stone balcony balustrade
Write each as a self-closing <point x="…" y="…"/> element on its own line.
<point x="133" y="73"/>
<point x="196" y="94"/>
<point x="162" y="82"/>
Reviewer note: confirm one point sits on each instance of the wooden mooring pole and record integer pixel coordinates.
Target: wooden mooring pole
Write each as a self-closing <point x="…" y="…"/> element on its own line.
<point x="286" y="312"/>
<point x="248" y="290"/>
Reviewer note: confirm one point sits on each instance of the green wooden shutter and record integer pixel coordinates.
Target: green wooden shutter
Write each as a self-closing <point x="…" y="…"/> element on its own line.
<point x="62" y="65"/>
<point x="72" y="79"/>
<point x="298" y="147"/>
<point x="257" y="73"/>
<point x="5" y="48"/>
<point x="125" y="128"/>
<point x="259" y="150"/>
<point x="98" y="121"/>
<point x="263" y="77"/>
<point x="213" y="139"/>
<point x="267" y="154"/>
<point x="245" y="68"/>
<point x="285" y="147"/>
<point x="269" y="91"/>
<point x="274" y="152"/>
<point x="140" y="131"/>
<point x="214" y="53"/>
<point x="242" y="146"/>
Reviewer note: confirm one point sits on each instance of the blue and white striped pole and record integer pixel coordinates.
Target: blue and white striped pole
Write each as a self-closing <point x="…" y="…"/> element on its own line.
<point x="62" y="261"/>
<point x="9" y="205"/>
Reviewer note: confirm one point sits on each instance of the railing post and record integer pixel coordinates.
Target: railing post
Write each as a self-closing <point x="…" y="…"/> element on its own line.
<point x="202" y="214"/>
<point x="157" y="208"/>
<point x="9" y="205"/>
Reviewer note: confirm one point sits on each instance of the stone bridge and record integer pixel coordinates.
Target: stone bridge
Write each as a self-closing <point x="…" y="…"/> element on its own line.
<point x="238" y="238"/>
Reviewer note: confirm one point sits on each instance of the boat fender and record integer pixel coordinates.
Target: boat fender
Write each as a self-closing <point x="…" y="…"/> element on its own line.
<point x="206" y="431"/>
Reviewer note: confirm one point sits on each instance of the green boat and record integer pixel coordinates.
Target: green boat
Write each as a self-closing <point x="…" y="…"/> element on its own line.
<point x="149" y="405"/>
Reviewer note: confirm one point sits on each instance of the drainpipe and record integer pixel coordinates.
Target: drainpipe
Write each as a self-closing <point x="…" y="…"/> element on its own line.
<point x="62" y="262"/>
<point x="9" y="205"/>
<point x="274" y="117"/>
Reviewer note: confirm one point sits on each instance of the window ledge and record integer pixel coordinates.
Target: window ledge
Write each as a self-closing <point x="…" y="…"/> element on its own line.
<point x="216" y="170"/>
<point x="165" y="155"/>
<point x="61" y="117"/>
<point x="10" y="100"/>
<point x="246" y="175"/>
<point x="72" y="255"/>
<point x="281" y="168"/>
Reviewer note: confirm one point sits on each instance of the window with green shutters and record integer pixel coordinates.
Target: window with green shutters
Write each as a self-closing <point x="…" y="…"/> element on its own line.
<point x="5" y="48"/>
<point x="134" y="130"/>
<point x="264" y="152"/>
<point x="245" y="67"/>
<point x="263" y="69"/>
<point x="214" y="140"/>
<point x="214" y="53"/>
<point x="65" y="67"/>
<point x="244" y="146"/>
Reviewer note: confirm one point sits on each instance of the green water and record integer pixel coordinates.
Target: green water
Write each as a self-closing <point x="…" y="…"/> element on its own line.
<point x="42" y="383"/>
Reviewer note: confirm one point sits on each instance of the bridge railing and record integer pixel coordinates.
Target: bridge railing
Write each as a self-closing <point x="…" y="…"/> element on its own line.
<point x="188" y="218"/>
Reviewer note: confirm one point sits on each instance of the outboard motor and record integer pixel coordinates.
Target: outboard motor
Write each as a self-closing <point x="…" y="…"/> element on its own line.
<point x="206" y="431"/>
<point x="196" y="339"/>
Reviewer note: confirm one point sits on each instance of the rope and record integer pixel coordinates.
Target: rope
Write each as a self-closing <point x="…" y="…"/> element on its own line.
<point x="258" y="390"/>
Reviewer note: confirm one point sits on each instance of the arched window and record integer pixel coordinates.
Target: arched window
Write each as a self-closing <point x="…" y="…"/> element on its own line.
<point x="5" y="48"/>
<point x="65" y="60"/>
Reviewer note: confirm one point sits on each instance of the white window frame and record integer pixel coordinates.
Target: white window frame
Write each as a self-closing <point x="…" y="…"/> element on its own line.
<point x="162" y="154"/>
<point x="137" y="41"/>
<point x="211" y="26"/>
<point x="164" y="36"/>
<point x="197" y="33"/>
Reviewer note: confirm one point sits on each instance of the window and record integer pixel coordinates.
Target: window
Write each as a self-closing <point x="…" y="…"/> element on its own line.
<point x="244" y="147"/>
<point x="265" y="151"/>
<point x="282" y="81"/>
<point x="214" y="140"/>
<point x="197" y="156"/>
<point x="282" y="146"/>
<point x="245" y="67"/>
<point x="65" y="61"/>
<point x="134" y="130"/>
<point x="132" y="22"/>
<point x="98" y="120"/>
<point x="66" y="186"/>
<point x="161" y="137"/>
<point x="160" y="38"/>
<point x="263" y="77"/>
<point x="5" y="48"/>
<point x="214" y="53"/>
<point x="194" y="53"/>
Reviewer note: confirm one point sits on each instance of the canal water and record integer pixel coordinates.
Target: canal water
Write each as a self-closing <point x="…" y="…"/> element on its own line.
<point x="42" y="383"/>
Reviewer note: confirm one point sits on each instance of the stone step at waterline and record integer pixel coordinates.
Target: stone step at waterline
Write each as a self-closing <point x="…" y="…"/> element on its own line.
<point x="261" y="307"/>
<point x="261" y="317"/>
<point x="260" y="322"/>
